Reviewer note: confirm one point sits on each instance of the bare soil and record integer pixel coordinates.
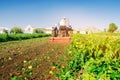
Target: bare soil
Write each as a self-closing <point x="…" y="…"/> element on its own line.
<point x="16" y="57"/>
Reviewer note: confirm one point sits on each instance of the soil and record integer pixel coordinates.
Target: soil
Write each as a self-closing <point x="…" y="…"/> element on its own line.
<point x="60" y="40"/>
<point x="18" y="56"/>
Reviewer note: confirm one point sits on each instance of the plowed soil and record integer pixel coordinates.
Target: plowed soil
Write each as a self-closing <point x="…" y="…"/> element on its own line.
<point x="30" y="59"/>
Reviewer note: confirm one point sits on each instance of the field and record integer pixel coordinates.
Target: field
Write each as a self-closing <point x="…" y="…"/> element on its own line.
<point x="87" y="57"/>
<point x="29" y="59"/>
<point x="92" y="57"/>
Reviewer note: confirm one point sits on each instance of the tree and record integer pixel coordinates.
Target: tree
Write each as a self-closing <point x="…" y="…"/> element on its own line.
<point x="16" y="30"/>
<point x="112" y="27"/>
<point x="37" y="30"/>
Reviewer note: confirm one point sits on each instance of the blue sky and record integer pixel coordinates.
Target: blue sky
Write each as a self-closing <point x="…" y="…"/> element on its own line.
<point x="46" y="13"/>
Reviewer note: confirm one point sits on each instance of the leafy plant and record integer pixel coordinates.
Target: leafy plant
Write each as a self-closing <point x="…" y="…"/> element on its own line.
<point x="94" y="57"/>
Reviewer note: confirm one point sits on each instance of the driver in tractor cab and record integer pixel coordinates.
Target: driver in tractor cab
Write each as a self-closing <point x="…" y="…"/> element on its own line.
<point x="62" y="27"/>
<point x="63" y="24"/>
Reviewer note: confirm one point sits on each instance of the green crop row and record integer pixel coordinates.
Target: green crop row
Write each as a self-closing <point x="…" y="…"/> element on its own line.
<point x="92" y="57"/>
<point x="11" y="37"/>
<point x="108" y="33"/>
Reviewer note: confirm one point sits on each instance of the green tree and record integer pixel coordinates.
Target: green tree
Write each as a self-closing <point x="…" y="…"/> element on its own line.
<point x="37" y="30"/>
<point x="112" y="27"/>
<point x="16" y="30"/>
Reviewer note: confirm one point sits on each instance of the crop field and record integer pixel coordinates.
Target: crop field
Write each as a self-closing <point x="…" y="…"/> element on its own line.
<point x="29" y="59"/>
<point x="87" y="57"/>
<point x="92" y="57"/>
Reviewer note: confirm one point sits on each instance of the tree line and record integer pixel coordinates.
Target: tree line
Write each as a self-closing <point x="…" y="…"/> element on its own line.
<point x="18" y="30"/>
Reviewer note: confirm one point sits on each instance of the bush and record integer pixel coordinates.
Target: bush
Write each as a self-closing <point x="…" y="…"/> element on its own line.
<point x="3" y="37"/>
<point x="11" y="37"/>
<point x="16" y="30"/>
<point x="38" y="30"/>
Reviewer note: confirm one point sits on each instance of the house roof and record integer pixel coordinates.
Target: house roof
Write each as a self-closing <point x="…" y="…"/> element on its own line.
<point x="30" y="26"/>
<point x="2" y="28"/>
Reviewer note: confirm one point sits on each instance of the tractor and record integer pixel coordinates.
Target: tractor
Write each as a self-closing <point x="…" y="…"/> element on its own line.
<point x="63" y="33"/>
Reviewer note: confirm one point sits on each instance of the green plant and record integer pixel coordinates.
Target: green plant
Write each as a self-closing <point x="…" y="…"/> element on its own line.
<point x="38" y="30"/>
<point x="11" y="37"/>
<point x="94" y="57"/>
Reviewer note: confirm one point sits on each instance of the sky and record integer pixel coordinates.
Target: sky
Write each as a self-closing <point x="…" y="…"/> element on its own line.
<point x="46" y="13"/>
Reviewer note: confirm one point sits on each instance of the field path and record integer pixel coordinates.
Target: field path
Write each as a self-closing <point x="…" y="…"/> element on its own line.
<point x="29" y="59"/>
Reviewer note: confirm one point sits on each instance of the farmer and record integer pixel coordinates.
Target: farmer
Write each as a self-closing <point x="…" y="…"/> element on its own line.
<point x="62" y="27"/>
<point x="63" y="24"/>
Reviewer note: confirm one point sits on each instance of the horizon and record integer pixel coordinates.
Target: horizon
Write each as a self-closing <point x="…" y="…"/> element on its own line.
<point x="46" y="13"/>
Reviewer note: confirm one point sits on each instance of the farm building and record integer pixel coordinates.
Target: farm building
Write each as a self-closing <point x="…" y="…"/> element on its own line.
<point x="82" y="30"/>
<point x="48" y="31"/>
<point x="87" y="30"/>
<point x="92" y="30"/>
<point x="29" y="29"/>
<point x="2" y="29"/>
